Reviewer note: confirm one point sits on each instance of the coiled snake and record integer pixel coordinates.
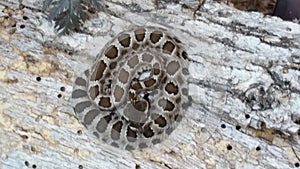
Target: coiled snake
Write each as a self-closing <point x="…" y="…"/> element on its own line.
<point x="136" y="91"/>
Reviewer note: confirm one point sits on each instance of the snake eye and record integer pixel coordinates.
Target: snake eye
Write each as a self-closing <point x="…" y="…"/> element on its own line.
<point x="146" y="97"/>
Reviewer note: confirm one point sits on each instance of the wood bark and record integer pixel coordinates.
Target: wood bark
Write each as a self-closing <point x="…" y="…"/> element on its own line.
<point x="244" y="87"/>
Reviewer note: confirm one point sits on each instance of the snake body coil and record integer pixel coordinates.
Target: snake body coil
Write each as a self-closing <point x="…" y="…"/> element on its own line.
<point x="136" y="92"/>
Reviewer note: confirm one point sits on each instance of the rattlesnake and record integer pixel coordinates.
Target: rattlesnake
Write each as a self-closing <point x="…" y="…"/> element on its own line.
<point x="136" y="92"/>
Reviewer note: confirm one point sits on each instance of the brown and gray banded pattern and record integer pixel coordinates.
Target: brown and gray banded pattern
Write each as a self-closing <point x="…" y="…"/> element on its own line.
<point x="136" y="92"/>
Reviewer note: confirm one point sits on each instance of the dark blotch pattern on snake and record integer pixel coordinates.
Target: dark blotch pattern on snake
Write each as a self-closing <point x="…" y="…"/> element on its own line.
<point x="135" y="93"/>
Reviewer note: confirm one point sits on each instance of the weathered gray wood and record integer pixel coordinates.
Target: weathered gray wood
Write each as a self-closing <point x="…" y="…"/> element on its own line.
<point x="233" y="55"/>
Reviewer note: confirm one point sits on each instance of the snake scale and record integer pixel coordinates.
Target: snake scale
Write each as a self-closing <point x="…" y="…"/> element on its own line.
<point x="136" y="92"/>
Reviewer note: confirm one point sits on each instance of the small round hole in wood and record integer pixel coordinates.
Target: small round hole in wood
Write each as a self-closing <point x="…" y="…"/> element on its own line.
<point x="229" y="147"/>
<point x="223" y="126"/>
<point x="247" y="116"/>
<point x="62" y="89"/>
<point x="26" y="163"/>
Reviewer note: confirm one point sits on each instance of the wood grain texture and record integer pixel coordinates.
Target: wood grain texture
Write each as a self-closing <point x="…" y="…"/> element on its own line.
<point x="244" y="86"/>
